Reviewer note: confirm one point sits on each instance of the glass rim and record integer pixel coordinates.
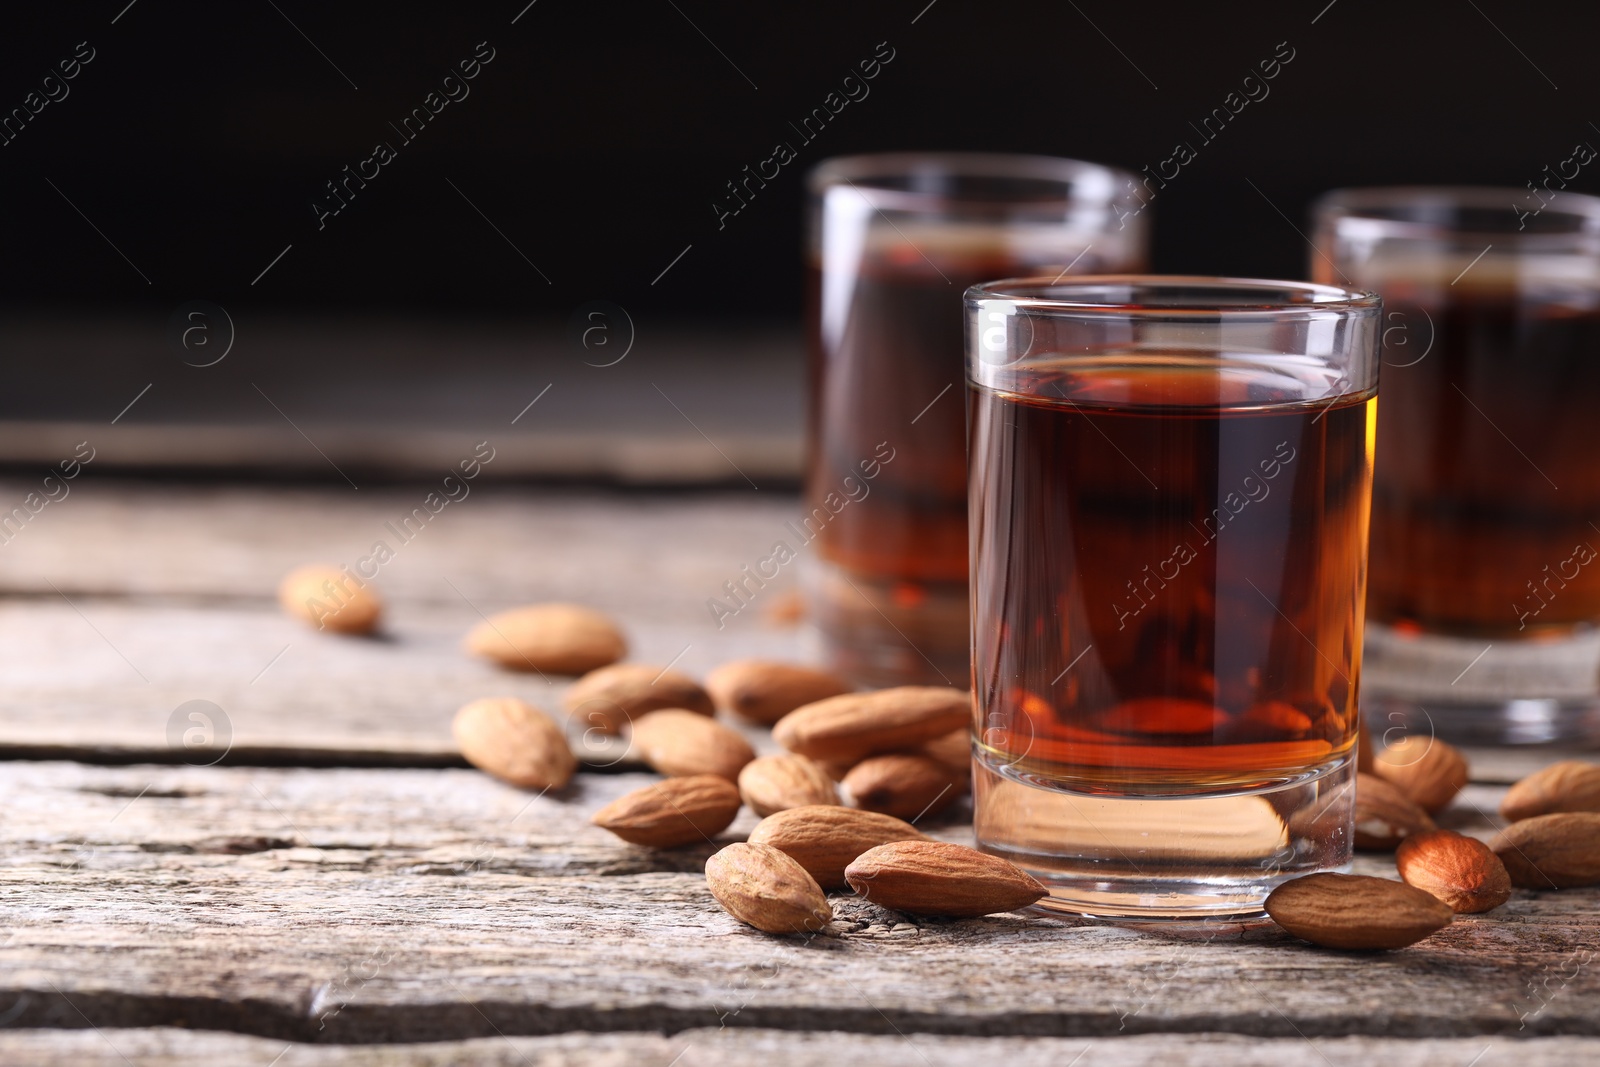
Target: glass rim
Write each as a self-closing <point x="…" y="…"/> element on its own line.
<point x="1053" y="295"/>
<point x="1362" y="204"/>
<point x="863" y="170"/>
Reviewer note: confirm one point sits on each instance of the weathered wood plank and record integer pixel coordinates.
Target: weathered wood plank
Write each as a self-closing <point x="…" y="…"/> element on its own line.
<point x="740" y="1048"/>
<point x="408" y="905"/>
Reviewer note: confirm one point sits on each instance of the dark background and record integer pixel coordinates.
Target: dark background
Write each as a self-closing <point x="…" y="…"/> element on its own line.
<point x="599" y="136"/>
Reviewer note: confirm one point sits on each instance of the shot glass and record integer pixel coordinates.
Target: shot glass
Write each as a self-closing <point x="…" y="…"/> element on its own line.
<point x="1170" y="486"/>
<point x="894" y="240"/>
<point x="1485" y="585"/>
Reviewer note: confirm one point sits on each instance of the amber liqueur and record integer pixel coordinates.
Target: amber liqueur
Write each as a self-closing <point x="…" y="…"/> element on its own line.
<point x="1169" y="571"/>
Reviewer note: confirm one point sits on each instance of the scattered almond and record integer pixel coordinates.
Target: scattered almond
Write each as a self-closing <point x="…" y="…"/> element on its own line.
<point x="856" y="725"/>
<point x="1353" y="911"/>
<point x="777" y="783"/>
<point x="761" y="886"/>
<point x="825" y="838"/>
<point x="515" y="742"/>
<point x="677" y="742"/>
<point x="1557" y="851"/>
<point x="1384" y="815"/>
<point x="678" y="811"/>
<point x="903" y="784"/>
<point x="330" y="599"/>
<point x="559" y="638"/>
<point x="954" y="750"/>
<point x="609" y="698"/>
<point x="1571" y="785"/>
<point x="1459" y="870"/>
<point x="939" y="878"/>
<point x="1426" y="769"/>
<point x="763" y="691"/>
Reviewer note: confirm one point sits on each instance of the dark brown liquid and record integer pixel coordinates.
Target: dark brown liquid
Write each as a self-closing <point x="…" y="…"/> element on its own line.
<point x="1488" y="484"/>
<point x="1169" y="574"/>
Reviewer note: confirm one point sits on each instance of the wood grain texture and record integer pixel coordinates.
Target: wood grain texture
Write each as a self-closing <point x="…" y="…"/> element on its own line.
<point x="711" y="1047"/>
<point x="361" y="906"/>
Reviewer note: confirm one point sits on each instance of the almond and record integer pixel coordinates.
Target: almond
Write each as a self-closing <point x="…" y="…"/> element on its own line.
<point x="777" y="783"/>
<point x="954" y="750"/>
<point x="824" y="838"/>
<point x="1353" y="911"/>
<point x="763" y="691"/>
<point x="1384" y="815"/>
<point x="678" y="811"/>
<point x="903" y="784"/>
<point x="1426" y="769"/>
<point x="330" y="599"/>
<point x="515" y="742"/>
<point x="1571" y="785"/>
<point x="759" y="885"/>
<point x="677" y="742"/>
<point x="938" y="878"/>
<point x="857" y="725"/>
<point x="609" y="698"/>
<point x="559" y="638"/>
<point x="1459" y="870"/>
<point x="1557" y="851"/>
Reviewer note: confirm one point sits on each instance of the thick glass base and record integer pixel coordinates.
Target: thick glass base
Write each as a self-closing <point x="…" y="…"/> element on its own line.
<point x="1481" y="691"/>
<point x="1144" y="858"/>
<point x="884" y="632"/>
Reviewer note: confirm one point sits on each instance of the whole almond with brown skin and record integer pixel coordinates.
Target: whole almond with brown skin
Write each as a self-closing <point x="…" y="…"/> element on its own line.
<point x="1559" y="851"/>
<point x="515" y="742"/>
<point x="677" y="742"/>
<point x="1353" y="911"/>
<point x="777" y="783"/>
<point x="1429" y="771"/>
<point x="954" y="750"/>
<point x="1571" y="785"/>
<point x="678" y="811"/>
<point x="764" y="691"/>
<point x="558" y="638"/>
<point x="759" y="885"/>
<point x="938" y="878"/>
<point x="1459" y="870"/>
<point x="609" y="698"/>
<point x="825" y="838"/>
<point x="330" y="599"/>
<point x="903" y="784"/>
<point x="1384" y="815"/>
<point x="857" y="725"/>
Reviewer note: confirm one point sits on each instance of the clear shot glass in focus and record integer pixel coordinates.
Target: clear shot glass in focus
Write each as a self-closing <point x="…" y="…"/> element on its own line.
<point x="894" y="241"/>
<point x="1170" y="484"/>
<point x="1485" y="582"/>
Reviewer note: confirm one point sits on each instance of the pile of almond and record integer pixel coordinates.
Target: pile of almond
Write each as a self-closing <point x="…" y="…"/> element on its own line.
<point x="859" y="769"/>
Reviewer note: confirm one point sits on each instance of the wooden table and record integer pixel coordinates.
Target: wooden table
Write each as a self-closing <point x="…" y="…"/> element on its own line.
<point x="341" y="890"/>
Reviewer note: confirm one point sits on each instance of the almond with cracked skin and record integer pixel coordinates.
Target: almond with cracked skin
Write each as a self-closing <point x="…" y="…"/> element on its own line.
<point x="678" y="811"/>
<point x="906" y="785"/>
<point x="1560" y="851"/>
<point x="514" y="741"/>
<point x="1384" y="815"/>
<point x="759" y="885"/>
<point x="1571" y="785"/>
<point x="1353" y="911"/>
<point x="330" y="599"/>
<point x="558" y="638"/>
<point x="856" y="725"/>
<point x="609" y="698"/>
<point x="1461" y="871"/>
<point x="825" y="838"/>
<point x="765" y="691"/>
<point x="938" y="878"/>
<point x="677" y="742"/>
<point x="1426" y="769"/>
<point x="770" y="784"/>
